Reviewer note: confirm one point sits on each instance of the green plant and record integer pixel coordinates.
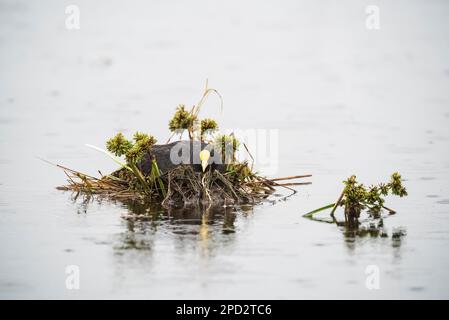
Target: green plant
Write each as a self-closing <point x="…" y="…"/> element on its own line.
<point x="188" y="120"/>
<point x="239" y="172"/>
<point x="355" y="197"/>
<point x="208" y="125"/>
<point x="138" y="136"/>
<point x="358" y="197"/>
<point x="227" y="145"/>
<point x="118" y="145"/>
<point x="155" y="177"/>
<point x="143" y="144"/>
<point x="133" y="153"/>
<point x="182" y="120"/>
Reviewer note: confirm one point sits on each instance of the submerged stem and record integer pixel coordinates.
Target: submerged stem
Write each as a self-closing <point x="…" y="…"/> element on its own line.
<point x="337" y="203"/>
<point x="139" y="176"/>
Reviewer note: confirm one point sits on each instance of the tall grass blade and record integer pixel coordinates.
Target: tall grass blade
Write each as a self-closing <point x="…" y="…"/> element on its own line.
<point x="311" y="213"/>
<point x="117" y="160"/>
<point x="157" y="175"/>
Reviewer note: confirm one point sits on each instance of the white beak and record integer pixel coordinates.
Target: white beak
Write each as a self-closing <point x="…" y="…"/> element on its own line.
<point x="204" y="165"/>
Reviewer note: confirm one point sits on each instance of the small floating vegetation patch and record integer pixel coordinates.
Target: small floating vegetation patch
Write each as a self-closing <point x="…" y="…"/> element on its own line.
<point x="204" y="169"/>
<point x="356" y="198"/>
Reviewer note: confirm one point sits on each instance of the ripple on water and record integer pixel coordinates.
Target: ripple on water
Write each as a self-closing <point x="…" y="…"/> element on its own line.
<point x="427" y="178"/>
<point x="416" y="289"/>
<point x="5" y="121"/>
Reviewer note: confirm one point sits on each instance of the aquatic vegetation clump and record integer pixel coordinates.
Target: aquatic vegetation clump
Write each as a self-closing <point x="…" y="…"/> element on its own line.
<point x="208" y="126"/>
<point x="355" y="197"/>
<point x="228" y="145"/>
<point x="182" y="120"/>
<point x="143" y="144"/>
<point x="119" y="145"/>
<point x="134" y="152"/>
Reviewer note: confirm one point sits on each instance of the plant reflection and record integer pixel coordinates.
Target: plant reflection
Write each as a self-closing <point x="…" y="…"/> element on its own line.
<point x="371" y="226"/>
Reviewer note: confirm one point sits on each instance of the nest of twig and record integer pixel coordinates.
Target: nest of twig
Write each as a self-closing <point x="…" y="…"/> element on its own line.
<point x="150" y="173"/>
<point x="184" y="186"/>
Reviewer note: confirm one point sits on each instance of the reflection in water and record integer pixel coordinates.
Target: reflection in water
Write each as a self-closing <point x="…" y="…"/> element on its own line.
<point x="371" y="227"/>
<point x="192" y="215"/>
<point x="207" y="226"/>
<point x="136" y="237"/>
<point x="204" y="225"/>
<point x="356" y="229"/>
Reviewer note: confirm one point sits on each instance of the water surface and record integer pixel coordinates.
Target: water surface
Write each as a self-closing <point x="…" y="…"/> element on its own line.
<point x="346" y="100"/>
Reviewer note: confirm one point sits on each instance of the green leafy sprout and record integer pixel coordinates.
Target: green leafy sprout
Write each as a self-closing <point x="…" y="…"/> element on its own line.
<point x="208" y="125"/>
<point x="143" y="144"/>
<point x="227" y="145"/>
<point x="182" y="120"/>
<point x="133" y="152"/>
<point x="356" y="195"/>
<point x="119" y="145"/>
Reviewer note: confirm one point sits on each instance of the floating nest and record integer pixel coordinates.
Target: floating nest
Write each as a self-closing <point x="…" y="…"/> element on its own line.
<point x="208" y="173"/>
<point x="183" y="184"/>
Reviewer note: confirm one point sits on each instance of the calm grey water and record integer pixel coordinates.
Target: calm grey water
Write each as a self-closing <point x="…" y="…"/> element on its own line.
<point x="347" y="100"/>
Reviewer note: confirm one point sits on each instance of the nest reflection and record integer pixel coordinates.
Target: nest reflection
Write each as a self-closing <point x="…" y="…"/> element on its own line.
<point x="203" y="225"/>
